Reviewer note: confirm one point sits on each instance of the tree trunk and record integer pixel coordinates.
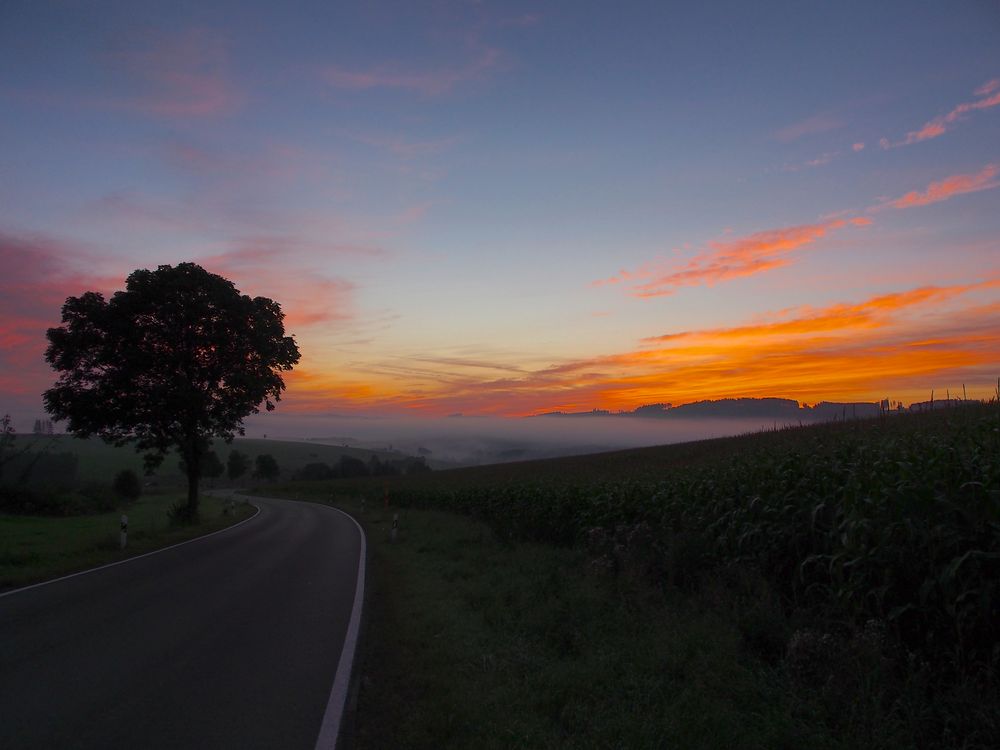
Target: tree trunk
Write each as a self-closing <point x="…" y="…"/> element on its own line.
<point x="193" y="463"/>
<point x="192" y="503"/>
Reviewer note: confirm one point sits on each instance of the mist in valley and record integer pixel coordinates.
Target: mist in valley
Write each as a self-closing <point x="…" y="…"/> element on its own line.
<point x="470" y="440"/>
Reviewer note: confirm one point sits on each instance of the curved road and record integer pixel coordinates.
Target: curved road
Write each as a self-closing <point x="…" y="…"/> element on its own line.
<point x="231" y="641"/>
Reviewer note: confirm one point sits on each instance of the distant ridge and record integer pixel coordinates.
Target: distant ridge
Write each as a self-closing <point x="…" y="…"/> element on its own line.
<point x="764" y="408"/>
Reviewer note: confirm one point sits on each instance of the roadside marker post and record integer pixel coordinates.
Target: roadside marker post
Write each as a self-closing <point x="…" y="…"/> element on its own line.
<point x="124" y="531"/>
<point x="395" y="526"/>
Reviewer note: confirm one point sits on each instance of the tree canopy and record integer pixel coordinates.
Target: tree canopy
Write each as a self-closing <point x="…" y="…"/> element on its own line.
<point x="177" y="358"/>
<point x="237" y="464"/>
<point x="266" y="467"/>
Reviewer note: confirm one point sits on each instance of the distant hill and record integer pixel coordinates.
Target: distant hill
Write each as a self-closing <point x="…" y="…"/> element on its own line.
<point x="782" y="409"/>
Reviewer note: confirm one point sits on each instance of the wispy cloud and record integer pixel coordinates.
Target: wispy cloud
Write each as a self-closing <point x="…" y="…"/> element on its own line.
<point x="407" y="149"/>
<point x="874" y="312"/>
<point x="723" y="261"/>
<point x="903" y="341"/>
<point x="429" y="82"/>
<point x="958" y="184"/>
<point x="774" y="248"/>
<point x="810" y="126"/>
<point x="267" y="268"/>
<point x="989" y="97"/>
<point x="183" y="75"/>
<point x="40" y="272"/>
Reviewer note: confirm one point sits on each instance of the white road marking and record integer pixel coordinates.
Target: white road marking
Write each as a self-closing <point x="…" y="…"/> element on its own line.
<point x="330" y="729"/>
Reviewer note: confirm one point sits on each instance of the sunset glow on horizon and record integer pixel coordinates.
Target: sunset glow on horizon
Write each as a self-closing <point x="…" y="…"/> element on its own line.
<point x="513" y="208"/>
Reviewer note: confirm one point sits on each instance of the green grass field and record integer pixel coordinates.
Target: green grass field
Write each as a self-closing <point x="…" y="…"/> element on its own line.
<point x="473" y="643"/>
<point x="836" y="585"/>
<point x="36" y="548"/>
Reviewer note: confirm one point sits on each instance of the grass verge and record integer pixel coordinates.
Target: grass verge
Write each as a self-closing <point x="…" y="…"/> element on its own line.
<point x="35" y="548"/>
<point x="471" y="643"/>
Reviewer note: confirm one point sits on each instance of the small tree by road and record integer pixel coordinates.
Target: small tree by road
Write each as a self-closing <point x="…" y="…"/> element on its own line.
<point x="237" y="464"/>
<point x="266" y="467"/>
<point x="177" y="358"/>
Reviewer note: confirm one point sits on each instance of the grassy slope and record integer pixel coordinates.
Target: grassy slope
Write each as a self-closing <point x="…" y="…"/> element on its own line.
<point x="35" y="548"/>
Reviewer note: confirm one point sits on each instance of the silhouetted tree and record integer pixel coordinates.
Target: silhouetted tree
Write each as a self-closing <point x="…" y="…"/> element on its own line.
<point x="351" y="467"/>
<point x="210" y="468"/>
<point x="127" y="485"/>
<point x="177" y="358"/>
<point x="314" y="471"/>
<point x="8" y="438"/>
<point x="237" y="464"/>
<point x="417" y="466"/>
<point x="266" y="467"/>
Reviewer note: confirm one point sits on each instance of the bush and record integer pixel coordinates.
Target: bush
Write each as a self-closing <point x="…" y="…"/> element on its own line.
<point x="89" y="499"/>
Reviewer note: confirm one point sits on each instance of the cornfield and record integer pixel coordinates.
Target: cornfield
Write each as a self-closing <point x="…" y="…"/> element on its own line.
<point x="894" y="520"/>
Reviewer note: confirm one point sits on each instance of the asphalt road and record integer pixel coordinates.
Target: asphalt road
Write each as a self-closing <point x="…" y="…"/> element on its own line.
<point x="227" y="642"/>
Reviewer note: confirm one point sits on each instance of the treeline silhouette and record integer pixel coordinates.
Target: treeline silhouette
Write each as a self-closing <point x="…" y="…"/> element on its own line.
<point x="350" y="467"/>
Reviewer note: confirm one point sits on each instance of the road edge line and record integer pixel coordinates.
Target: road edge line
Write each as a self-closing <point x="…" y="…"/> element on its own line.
<point x="130" y="559"/>
<point x="329" y="731"/>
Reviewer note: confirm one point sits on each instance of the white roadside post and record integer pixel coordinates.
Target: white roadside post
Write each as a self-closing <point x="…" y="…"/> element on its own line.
<point x="395" y="525"/>
<point x="124" y="534"/>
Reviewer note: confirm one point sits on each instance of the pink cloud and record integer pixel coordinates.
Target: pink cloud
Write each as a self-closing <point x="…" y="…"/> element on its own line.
<point x="306" y="297"/>
<point x="958" y="184"/>
<point x="39" y="274"/>
<point x="177" y="76"/>
<point x="989" y="98"/>
<point x="809" y="126"/>
<point x="404" y="148"/>
<point x="858" y="147"/>
<point x="744" y="256"/>
<point x="427" y="82"/>
<point x="988" y="88"/>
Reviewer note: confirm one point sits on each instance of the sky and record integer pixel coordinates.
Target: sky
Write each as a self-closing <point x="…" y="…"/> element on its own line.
<point x="506" y="208"/>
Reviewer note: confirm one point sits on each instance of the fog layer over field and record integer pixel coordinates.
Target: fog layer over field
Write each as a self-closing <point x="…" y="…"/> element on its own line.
<point x="481" y="440"/>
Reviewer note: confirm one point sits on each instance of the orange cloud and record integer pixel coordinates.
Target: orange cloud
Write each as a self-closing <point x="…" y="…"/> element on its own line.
<point x="989" y="97"/>
<point x="872" y="313"/>
<point x="745" y="256"/>
<point x="901" y="344"/>
<point x="942" y="190"/>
